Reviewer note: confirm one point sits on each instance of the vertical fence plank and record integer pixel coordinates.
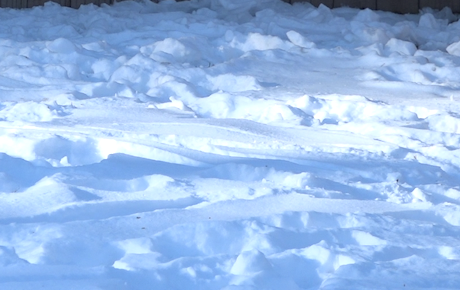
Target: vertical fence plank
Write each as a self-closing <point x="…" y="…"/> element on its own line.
<point x="65" y="3"/>
<point x="33" y="3"/>
<point x="440" y="4"/>
<point x="75" y="4"/>
<point x="298" y="1"/>
<point x="55" y="1"/>
<point x="436" y="4"/>
<point x="398" y="6"/>
<point x="328" y="3"/>
<point x="371" y="4"/>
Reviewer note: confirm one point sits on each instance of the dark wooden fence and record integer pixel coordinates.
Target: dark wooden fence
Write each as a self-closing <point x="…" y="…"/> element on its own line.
<point x="398" y="6"/>
<point x="32" y="3"/>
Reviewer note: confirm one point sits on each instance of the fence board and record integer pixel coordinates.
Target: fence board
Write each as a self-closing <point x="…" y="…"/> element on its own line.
<point x="371" y="4"/>
<point x="75" y="3"/>
<point x="398" y="6"/>
<point x="60" y="2"/>
<point x="328" y="3"/>
<point x="30" y="4"/>
<point x="440" y="4"/>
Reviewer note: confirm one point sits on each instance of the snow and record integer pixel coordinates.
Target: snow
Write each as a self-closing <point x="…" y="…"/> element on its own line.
<point x="217" y="144"/>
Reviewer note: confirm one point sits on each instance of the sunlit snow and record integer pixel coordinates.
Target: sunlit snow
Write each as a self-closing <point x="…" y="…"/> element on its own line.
<point x="219" y="144"/>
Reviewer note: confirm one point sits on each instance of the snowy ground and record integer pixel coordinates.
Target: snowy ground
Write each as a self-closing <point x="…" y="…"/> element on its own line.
<point x="229" y="145"/>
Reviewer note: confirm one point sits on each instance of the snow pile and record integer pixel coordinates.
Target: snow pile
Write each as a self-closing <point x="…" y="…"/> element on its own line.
<point x="217" y="144"/>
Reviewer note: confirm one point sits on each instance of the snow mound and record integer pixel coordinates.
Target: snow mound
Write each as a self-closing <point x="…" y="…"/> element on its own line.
<point x="228" y="145"/>
<point x="28" y="112"/>
<point x="454" y="48"/>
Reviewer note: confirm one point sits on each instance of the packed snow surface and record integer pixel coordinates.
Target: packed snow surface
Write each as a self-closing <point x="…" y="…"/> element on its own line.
<point x="218" y="144"/>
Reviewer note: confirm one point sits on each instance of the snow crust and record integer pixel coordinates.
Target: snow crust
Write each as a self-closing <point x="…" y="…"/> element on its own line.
<point x="217" y="144"/>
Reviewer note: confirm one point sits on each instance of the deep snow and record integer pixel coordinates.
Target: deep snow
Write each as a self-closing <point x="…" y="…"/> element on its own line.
<point x="218" y="144"/>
